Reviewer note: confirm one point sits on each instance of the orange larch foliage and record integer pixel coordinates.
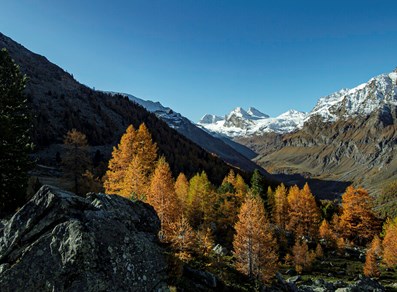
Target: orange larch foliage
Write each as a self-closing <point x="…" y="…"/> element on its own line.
<point x="135" y="182"/>
<point x="205" y="241"/>
<point x="121" y="158"/>
<point x="319" y="251"/>
<point x="145" y="148"/>
<point x="162" y="197"/>
<point x="304" y="215"/>
<point x="303" y="258"/>
<point x="358" y="222"/>
<point x="254" y="244"/>
<point x="371" y="267"/>
<point x="132" y="144"/>
<point x="240" y="186"/>
<point x="201" y="200"/>
<point x="390" y="244"/>
<point x="230" y="178"/>
<point x="327" y="234"/>
<point x="181" y="191"/>
<point x="182" y="238"/>
<point x="280" y="212"/>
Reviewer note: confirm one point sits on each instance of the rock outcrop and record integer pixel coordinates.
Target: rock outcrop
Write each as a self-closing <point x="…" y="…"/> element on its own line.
<point x="61" y="242"/>
<point x="295" y="284"/>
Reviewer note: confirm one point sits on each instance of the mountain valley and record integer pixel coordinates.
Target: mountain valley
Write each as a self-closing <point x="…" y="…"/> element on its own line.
<point x="349" y="136"/>
<point x="125" y="194"/>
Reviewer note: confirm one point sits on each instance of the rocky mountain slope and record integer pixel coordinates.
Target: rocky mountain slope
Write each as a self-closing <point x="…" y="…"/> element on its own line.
<point x="61" y="242"/>
<point x="60" y="103"/>
<point x="348" y="136"/>
<point x="362" y="100"/>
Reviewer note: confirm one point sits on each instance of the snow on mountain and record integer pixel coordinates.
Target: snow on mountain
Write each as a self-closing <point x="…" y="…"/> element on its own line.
<point x="362" y="100"/>
<point x="173" y="119"/>
<point x="244" y="123"/>
<point x="210" y="119"/>
<point x="378" y="93"/>
<point x="253" y="112"/>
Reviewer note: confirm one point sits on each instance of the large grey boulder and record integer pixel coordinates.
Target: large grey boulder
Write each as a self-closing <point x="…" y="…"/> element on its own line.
<point x="61" y="242"/>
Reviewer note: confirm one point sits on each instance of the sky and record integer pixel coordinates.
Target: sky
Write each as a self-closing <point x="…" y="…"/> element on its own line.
<point x="210" y="56"/>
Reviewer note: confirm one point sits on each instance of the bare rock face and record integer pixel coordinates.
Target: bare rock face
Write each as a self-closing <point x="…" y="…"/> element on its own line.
<point x="61" y="242"/>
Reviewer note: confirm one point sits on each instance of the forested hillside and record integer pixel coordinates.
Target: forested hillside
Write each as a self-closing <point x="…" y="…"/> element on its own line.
<point x="59" y="104"/>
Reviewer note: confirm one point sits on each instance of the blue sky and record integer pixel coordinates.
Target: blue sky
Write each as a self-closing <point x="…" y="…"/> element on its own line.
<point x="210" y="56"/>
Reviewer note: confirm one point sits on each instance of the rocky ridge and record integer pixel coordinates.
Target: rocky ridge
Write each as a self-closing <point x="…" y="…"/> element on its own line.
<point x="61" y="242"/>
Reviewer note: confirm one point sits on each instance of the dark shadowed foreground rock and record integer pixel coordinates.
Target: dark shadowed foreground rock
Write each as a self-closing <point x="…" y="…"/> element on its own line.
<point x="62" y="242"/>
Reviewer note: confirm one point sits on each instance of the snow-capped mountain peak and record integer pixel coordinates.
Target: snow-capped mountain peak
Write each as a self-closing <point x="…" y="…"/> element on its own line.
<point x="292" y="114"/>
<point x="253" y="112"/>
<point x="210" y="119"/>
<point x="240" y="122"/>
<point x="361" y="100"/>
<point x="239" y="112"/>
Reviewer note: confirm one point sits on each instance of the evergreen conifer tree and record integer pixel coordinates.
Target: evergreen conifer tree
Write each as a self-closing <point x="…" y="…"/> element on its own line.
<point x="15" y="142"/>
<point x="256" y="183"/>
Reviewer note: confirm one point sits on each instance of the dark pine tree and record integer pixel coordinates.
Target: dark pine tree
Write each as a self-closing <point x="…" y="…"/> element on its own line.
<point x="14" y="135"/>
<point x="257" y="183"/>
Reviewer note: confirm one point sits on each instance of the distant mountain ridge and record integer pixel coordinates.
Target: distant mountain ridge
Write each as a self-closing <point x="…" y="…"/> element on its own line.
<point x="241" y="123"/>
<point x="379" y="92"/>
<point x="230" y="152"/>
<point x="349" y="135"/>
<point x="60" y="103"/>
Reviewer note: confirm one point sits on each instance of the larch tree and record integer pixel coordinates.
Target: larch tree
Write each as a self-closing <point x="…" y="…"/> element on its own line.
<point x="240" y="186"/>
<point x="319" y="251"/>
<point x="254" y="244"/>
<point x="145" y="148"/>
<point x="304" y="215"/>
<point x="303" y="258"/>
<point x="121" y="158"/>
<point x="358" y="222"/>
<point x="280" y="212"/>
<point x="182" y="238"/>
<point x="162" y="197"/>
<point x="228" y="202"/>
<point x="390" y="244"/>
<point x="371" y="266"/>
<point x="201" y="200"/>
<point x="326" y="233"/>
<point x="230" y="178"/>
<point x="76" y="159"/>
<point x="205" y="241"/>
<point x="135" y="182"/>
<point x="133" y="143"/>
<point x="271" y="201"/>
<point x="181" y="191"/>
<point x="15" y="143"/>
